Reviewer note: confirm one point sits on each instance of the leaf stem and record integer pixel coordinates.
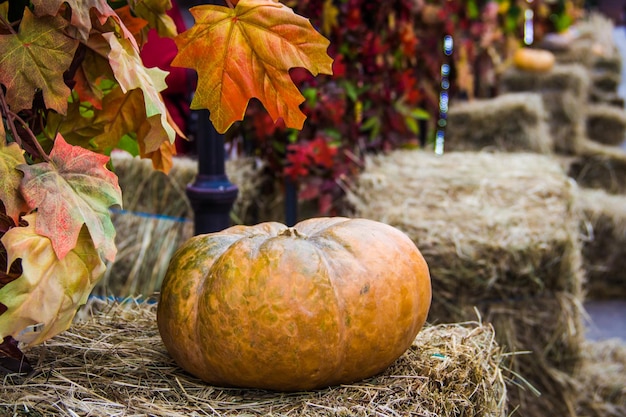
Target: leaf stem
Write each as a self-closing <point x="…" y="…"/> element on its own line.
<point x="230" y="4"/>
<point x="8" y="25"/>
<point x="32" y="138"/>
<point x="11" y="117"/>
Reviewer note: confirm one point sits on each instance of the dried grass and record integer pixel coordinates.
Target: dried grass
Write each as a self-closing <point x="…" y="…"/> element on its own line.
<point x="509" y="122"/>
<point x="604" y="249"/>
<point x="603" y="379"/>
<point x="606" y="124"/>
<point x="115" y="364"/>
<point x="499" y="232"/>
<point x="599" y="166"/>
<point x="590" y="43"/>
<point x="565" y="91"/>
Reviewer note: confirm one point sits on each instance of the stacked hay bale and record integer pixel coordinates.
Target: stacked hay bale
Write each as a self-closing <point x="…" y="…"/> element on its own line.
<point x="510" y="122"/>
<point x="590" y="43"/>
<point x="565" y="92"/>
<point x="604" y="225"/>
<point x="157" y="217"/>
<point x="499" y="232"/>
<point x="601" y="172"/>
<point x="115" y="364"/>
<point x="603" y="379"/>
<point x="606" y="124"/>
<point x="599" y="167"/>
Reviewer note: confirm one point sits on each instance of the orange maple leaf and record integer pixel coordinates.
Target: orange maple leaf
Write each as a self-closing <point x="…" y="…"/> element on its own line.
<point x="247" y="52"/>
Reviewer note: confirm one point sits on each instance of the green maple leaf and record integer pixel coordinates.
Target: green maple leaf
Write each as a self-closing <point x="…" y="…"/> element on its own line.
<point x="43" y="300"/>
<point x="131" y="74"/>
<point x="247" y="52"/>
<point x="11" y="156"/>
<point x="75" y="188"/>
<point x="34" y="60"/>
<point x="154" y="12"/>
<point x="75" y="127"/>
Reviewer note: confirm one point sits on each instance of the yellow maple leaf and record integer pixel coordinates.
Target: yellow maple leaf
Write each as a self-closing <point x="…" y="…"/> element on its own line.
<point x="329" y="17"/>
<point x="247" y="52"/>
<point x="130" y="73"/>
<point x="11" y="156"/>
<point x="43" y="301"/>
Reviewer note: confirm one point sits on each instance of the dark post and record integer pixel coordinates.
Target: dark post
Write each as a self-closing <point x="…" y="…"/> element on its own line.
<point x="211" y="195"/>
<point x="291" y="202"/>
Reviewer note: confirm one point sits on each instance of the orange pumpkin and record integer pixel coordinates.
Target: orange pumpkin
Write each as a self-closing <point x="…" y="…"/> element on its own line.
<point x="329" y="301"/>
<point x="537" y="60"/>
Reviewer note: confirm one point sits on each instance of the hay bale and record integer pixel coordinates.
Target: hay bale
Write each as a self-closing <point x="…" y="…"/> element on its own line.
<point x="499" y="232"/>
<point x="509" y="122"/>
<point x="115" y="364"/>
<point x="599" y="166"/>
<point x="606" y="124"/>
<point x="602" y="379"/>
<point x="604" y="249"/>
<point x="589" y="42"/>
<point x="146" y="190"/>
<point x="565" y="91"/>
<point x="158" y="217"/>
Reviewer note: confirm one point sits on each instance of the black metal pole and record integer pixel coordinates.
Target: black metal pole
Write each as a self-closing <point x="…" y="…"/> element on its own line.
<point x="212" y="195"/>
<point x="291" y="202"/>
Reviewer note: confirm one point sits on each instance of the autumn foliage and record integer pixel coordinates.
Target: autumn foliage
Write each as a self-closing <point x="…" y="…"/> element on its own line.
<point x="73" y="88"/>
<point x="385" y="90"/>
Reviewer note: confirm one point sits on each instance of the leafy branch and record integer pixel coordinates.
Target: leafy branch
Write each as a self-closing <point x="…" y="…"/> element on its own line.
<point x="73" y="87"/>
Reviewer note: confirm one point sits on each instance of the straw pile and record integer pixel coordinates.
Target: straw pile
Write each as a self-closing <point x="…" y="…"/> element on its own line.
<point x="116" y="364"/>
<point x="604" y="249"/>
<point x="499" y="232"/>
<point x="606" y="124"/>
<point x="603" y="379"/>
<point x="600" y="166"/>
<point x="590" y="43"/>
<point x="158" y="217"/>
<point x="509" y="122"/>
<point x="564" y="90"/>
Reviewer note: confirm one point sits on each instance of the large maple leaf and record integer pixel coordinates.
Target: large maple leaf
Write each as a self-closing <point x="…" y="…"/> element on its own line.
<point x="73" y="189"/>
<point x="35" y="59"/>
<point x="81" y="15"/>
<point x="11" y="156"/>
<point x="43" y="300"/>
<point x="247" y="52"/>
<point x="130" y="73"/>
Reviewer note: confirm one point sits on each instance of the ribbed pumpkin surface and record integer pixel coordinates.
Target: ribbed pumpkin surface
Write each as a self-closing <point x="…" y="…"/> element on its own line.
<point x="329" y="301"/>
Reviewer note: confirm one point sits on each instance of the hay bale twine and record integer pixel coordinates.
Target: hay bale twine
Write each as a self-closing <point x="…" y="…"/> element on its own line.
<point x="499" y="232"/>
<point x="115" y="363"/>
<point x="509" y="122"/>
<point x="565" y="91"/>
<point x="602" y="379"/>
<point x="599" y="166"/>
<point x="157" y="218"/>
<point x="606" y="124"/>
<point x="604" y="249"/>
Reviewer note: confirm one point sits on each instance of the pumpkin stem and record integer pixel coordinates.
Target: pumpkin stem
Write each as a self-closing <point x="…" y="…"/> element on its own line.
<point x="291" y="231"/>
